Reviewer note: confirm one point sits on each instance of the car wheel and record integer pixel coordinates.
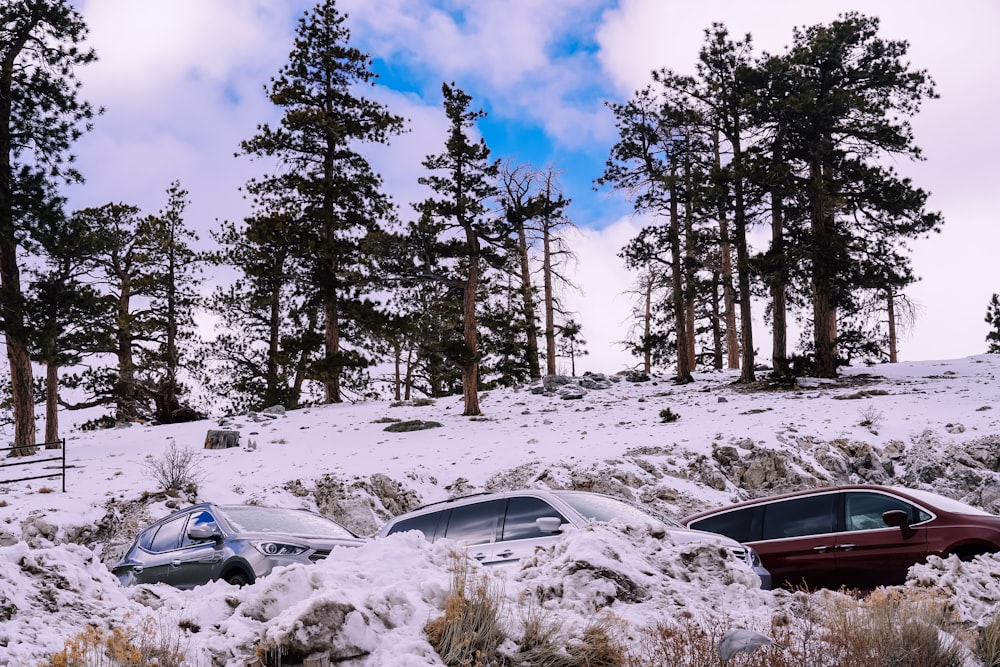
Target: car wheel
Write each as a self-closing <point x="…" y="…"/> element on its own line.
<point x="968" y="553"/>
<point x="237" y="578"/>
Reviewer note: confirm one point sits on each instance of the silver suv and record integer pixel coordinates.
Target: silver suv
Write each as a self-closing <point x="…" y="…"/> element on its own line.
<point x="504" y="527"/>
<point x="235" y="543"/>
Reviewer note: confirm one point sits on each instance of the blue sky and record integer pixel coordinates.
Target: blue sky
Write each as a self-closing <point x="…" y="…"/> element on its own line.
<point x="182" y="82"/>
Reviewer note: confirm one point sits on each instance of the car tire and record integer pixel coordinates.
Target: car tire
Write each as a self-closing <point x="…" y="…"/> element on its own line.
<point x="237" y="578"/>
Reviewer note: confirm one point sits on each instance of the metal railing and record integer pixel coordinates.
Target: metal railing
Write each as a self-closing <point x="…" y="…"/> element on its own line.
<point x="11" y="462"/>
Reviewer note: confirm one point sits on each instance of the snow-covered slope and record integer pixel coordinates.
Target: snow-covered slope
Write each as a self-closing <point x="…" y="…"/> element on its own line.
<point x="934" y="425"/>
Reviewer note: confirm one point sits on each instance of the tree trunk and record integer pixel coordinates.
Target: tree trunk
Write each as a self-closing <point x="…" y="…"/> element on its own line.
<point x="716" y="323"/>
<point x="680" y="317"/>
<point x="550" y="316"/>
<point x="331" y="340"/>
<point x="534" y="370"/>
<point x="22" y="382"/>
<point x="647" y="326"/>
<point x="891" y="307"/>
<point x="470" y="362"/>
<point x="824" y="316"/>
<point x="51" y="404"/>
<point x="23" y="397"/>
<point x="779" y="308"/>
<point x="742" y="264"/>
<point x="689" y="267"/>
<point x="728" y="293"/>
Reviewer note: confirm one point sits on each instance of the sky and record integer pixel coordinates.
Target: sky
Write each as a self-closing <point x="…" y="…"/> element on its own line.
<point x="182" y="83"/>
<point x="56" y="548"/>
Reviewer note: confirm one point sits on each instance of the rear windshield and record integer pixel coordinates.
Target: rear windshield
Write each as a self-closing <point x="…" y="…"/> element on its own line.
<point x="251" y="519"/>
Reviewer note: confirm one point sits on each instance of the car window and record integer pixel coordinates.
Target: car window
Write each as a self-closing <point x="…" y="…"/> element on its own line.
<point x="519" y="522"/>
<point x="863" y="511"/>
<point x="202" y="518"/>
<point x="474" y="524"/>
<point x="145" y="539"/>
<point x="169" y="535"/>
<point x="735" y="524"/>
<point x="796" y="517"/>
<point x="425" y="523"/>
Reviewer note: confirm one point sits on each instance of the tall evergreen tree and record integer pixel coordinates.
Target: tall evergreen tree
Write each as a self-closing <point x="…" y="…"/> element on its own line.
<point x="317" y="143"/>
<point x="69" y="315"/>
<point x="176" y="276"/>
<point x="993" y="319"/>
<point x="268" y="331"/>
<point x="852" y="96"/>
<point x="464" y="181"/>
<point x="41" y="115"/>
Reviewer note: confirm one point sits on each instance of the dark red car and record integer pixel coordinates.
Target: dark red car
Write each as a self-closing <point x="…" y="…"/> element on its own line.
<point x="856" y="536"/>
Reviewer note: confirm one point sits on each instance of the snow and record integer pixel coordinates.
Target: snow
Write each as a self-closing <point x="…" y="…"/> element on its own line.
<point x="373" y="602"/>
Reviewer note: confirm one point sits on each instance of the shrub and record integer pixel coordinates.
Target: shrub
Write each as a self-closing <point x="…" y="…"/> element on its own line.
<point x="871" y="417"/>
<point x="100" y="423"/>
<point x="889" y="628"/>
<point x="145" y="646"/>
<point x="667" y="416"/>
<point x="988" y="643"/>
<point x="411" y="425"/>
<point x="470" y="632"/>
<point x="176" y="469"/>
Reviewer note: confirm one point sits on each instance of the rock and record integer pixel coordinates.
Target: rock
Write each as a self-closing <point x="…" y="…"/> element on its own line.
<point x="572" y="392"/>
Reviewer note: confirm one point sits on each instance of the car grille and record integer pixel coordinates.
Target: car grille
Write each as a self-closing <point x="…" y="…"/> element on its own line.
<point x="318" y="555"/>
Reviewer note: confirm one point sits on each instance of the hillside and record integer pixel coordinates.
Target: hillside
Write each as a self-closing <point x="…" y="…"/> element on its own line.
<point x="932" y="425"/>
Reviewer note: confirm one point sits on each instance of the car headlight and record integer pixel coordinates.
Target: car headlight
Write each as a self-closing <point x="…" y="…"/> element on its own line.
<point x="279" y="548"/>
<point x="753" y="558"/>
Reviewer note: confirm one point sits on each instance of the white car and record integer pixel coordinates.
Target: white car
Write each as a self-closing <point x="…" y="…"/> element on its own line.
<point x="504" y="527"/>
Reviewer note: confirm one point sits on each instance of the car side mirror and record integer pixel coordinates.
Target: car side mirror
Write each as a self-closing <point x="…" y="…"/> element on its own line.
<point x="549" y="524"/>
<point x="203" y="532"/>
<point x="898" y="518"/>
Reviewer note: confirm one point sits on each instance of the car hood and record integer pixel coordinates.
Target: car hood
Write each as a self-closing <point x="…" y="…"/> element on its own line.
<point x="312" y="541"/>
<point x="685" y="535"/>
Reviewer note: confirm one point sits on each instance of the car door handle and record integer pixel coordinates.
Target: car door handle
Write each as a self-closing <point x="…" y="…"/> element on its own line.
<point x="506" y="554"/>
<point x="480" y="556"/>
<point x="175" y="562"/>
<point x="846" y="547"/>
<point x="137" y="568"/>
<point x="821" y="548"/>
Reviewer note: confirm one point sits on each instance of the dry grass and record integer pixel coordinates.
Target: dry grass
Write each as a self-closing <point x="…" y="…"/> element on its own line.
<point x="889" y="628"/>
<point x="988" y="643"/>
<point x="892" y="627"/>
<point x="147" y="645"/>
<point x="470" y="631"/>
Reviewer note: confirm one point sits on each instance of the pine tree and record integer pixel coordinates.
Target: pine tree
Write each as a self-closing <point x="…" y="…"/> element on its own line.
<point x="174" y="283"/>
<point x="463" y="180"/>
<point x="68" y="313"/>
<point x="993" y="319"/>
<point x="41" y="116"/>
<point x="853" y="93"/>
<point x="323" y="126"/>
<point x="268" y="331"/>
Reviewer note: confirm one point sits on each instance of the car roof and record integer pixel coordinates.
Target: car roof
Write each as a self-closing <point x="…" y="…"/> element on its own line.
<point x="794" y="494"/>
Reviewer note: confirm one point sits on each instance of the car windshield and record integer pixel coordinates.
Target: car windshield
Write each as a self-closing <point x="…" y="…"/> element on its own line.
<point x="603" y="508"/>
<point x="251" y="519"/>
<point x="944" y="503"/>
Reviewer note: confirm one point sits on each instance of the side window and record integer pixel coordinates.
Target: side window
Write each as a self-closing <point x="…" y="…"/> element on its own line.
<point x="863" y="511"/>
<point x="169" y="535"/>
<point x="145" y="540"/>
<point x="474" y="524"/>
<point x="425" y="523"/>
<point x="519" y="523"/>
<point x="202" y="518"/>
<point x="812" y="515"/>
<point x="735" y="524"/>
